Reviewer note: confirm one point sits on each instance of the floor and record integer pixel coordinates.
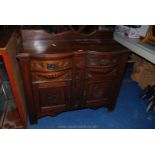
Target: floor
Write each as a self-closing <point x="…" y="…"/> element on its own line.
<point x="130" y="113"/>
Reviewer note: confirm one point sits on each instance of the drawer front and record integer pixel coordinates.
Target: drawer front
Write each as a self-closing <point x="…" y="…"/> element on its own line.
<point x="103" y="59"/>
<point x="102" y="72"/>
<point x="52" y="76"/>
<point x="51" y="65"/>
<point x="104" y="65"/>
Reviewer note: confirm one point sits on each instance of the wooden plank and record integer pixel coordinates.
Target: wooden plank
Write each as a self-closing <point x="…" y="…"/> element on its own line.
<point x="12" y="68"/>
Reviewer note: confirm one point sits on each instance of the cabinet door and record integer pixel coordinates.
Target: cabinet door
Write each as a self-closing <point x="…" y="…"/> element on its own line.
<point x="51" y="97"/>
<point x="98" y="93"/>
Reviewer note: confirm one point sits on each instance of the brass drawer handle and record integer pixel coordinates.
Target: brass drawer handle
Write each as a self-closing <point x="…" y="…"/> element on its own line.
<point x="52" y="66"/>
<point x="104" y="62"/>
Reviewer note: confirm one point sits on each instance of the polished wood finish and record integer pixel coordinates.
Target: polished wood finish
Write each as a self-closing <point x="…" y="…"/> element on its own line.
<point x="51" y="97"/>
<point x="70" y="71"/>
<point x="8" y="51"/>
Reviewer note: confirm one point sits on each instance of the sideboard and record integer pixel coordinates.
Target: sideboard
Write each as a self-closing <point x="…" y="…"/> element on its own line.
<point x="69" y="71"/>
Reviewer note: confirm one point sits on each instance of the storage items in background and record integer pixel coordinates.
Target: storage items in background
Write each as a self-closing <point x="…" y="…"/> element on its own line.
<point x="143" y="72"/>
<point x="132" y="31"/>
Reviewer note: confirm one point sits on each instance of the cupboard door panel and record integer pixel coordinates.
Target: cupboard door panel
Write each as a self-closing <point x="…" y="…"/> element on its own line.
<point x="98" y="93"/>
<point x="51" y="97"/>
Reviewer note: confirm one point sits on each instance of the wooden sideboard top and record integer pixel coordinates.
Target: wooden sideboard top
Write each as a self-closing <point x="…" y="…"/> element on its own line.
<point x="41" y="42"/>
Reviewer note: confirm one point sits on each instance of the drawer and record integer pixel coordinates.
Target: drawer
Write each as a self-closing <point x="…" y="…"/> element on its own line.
<point x="51" y="65"/>
<point x="52" y="76"/>
<point x="106" y="59"/>
<point x="102" y="72"/>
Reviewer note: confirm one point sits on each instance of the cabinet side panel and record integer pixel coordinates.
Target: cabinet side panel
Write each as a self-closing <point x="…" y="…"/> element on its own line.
<point x="25" y="70"/>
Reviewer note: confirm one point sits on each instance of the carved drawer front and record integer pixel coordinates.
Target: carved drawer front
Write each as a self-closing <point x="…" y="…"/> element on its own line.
<point x="51" y="96"/>
<point x="52" y="76"/>
<point x="103" y="65"/>
<point x="51" y="65"/>
<point x="98" y="93"/>
<point x="106" y="59"/>
<point x="102" y="72"/>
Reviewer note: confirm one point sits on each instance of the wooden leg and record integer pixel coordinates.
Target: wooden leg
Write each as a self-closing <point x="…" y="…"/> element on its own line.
<point x="33" y="120"/>
<point x="111" y="108"/>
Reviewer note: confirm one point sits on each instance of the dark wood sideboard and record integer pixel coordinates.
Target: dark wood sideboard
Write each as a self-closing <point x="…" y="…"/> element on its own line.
<point x="70" y="71"/>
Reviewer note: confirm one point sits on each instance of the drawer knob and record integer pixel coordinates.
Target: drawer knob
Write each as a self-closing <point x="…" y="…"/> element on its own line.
<point x="104" y="62"/>
<point x="52" y="66"/>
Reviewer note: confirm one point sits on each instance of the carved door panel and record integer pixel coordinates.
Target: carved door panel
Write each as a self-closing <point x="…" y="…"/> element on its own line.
<point x="98" y="93"/>
<point x="51" y="97"/>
